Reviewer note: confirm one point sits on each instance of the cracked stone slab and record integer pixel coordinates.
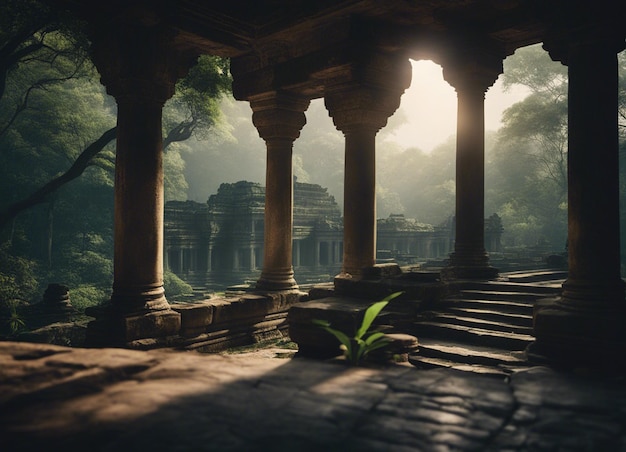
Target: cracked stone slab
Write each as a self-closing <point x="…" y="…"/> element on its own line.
<point x="113" y="399"/>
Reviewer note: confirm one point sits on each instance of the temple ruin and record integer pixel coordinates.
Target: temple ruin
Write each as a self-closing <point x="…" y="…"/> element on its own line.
<point x="220" y="242"/>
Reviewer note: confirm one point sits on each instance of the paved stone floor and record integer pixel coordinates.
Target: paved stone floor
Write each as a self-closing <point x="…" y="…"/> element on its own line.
<point x="56" y="398"/>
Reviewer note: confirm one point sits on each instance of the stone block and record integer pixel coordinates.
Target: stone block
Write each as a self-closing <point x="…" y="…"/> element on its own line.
<point x="195" y="318"/>
<point x="344" y="314"/>
<point x="381" y="271"/>
<point x="119" y="330"/>
<point x="585" y="338"/>
<point x="237" y="309"/>
<point x="398" y="349"/>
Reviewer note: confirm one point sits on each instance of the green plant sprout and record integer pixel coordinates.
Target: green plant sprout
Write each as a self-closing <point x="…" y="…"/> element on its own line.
<point x="15" y="321"/>
<point x="364" y="341"/>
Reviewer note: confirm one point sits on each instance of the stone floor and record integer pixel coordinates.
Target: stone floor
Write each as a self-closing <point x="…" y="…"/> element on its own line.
<point x="56" y="398"/>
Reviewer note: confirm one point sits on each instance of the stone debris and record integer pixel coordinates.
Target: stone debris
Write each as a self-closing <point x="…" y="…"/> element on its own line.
<point x="60" y="398"/>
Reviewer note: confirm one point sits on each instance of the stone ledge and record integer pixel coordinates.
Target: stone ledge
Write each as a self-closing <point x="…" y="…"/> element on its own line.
<point x="121" y="330"/>
<point x="231" y="313"/>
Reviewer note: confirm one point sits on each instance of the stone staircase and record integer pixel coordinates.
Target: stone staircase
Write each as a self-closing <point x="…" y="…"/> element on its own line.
<point x="484" y="327"/>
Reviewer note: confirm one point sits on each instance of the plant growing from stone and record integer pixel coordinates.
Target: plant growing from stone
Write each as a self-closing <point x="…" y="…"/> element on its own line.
<point x="364" y="341"/>
<point x="15" y="321"/>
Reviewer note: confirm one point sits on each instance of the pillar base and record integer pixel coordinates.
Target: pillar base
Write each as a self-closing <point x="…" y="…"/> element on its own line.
<point x="116" y="329"/>
<point x="575" y="338"/>
<point x="276" y="281"/>
<point x="453" y="272"/>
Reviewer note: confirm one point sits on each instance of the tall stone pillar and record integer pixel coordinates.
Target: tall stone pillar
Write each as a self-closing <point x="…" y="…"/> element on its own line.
<point x="296" y="252"/>
<point x="278" y="117"/>
<point x="588" y="322"/>
<point x="317" y="253"/>
<point x="471" y="75"/>
<point x="360" y="109"/>
<point x="139" y="67"/>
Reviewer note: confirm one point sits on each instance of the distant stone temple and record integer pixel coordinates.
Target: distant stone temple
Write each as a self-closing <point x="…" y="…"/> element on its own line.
<point x="220" y="242"/>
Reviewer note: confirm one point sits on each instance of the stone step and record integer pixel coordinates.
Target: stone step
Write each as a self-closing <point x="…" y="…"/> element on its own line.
<point x="422" y="362"/>
<point x="472" y="335"/>
<point x="535" y="276"/>
<point x="511" y="307"/>
<point x="487" y="314"/>
<point x="546" y="289"/>
<point x="469" y="354"/>
<point x="474" y="322"/>
<point x="517" y="296"/>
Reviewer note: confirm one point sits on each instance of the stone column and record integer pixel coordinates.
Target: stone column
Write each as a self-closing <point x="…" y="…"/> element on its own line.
<point x="318" y="244"/>
<point x="139" y="67"/>
<point x="360" y="110"/>
<point x="278" y="117"/>
<point x="471" y="74"/>
<point x="588" y="322"/>
<point x="296" y="243"/>
<point x="235" y="258"/>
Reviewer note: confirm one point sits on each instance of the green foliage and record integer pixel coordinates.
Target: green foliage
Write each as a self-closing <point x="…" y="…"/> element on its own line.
<point x="526" y="174"/>
<point x="175" y="184"/>
<point x="15" y="321"/>
<point x="86" y="295"/>
<point x="174" y="286"/>
<point x="88" y="266"/>
<point x="532" y="67"/>
<point x="17" y="276"/>
<point x="423" y="182"/>
<point x="194" y="108"/>
<point x="364" y="341"/>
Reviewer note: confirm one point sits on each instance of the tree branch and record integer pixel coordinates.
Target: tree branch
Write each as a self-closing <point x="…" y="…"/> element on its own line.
<point x="180" y="132"/>
<point x="77" y="168"/>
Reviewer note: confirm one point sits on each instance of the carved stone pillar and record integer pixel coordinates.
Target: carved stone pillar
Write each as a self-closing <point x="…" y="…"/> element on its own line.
<point x="588" y="322"/>
<point x="139" y="67"/>
<point x="278" y="117"/>
<point x="471" y="75"/>
<point x="360" y="110"/>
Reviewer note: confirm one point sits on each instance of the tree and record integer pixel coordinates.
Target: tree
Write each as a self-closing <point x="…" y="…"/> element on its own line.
<point x="33" y="35"/>
<point x="195" y="109"/>
<point x="530" y="158"/>
<point x="42" y="50"/>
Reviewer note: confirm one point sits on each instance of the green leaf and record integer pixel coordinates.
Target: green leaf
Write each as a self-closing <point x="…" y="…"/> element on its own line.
<point x="372" y="312"/>
<point x="370" y="315"/>
<point x="374" y="337"/>
<point x="376" y="345"/>
<point x="340" y="335"/>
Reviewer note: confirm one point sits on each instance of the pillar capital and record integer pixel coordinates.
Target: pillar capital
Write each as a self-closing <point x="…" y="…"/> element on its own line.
<point x="474" y="70"/>
<point x="372" y="95"/>
<point x="138" y="60"/>
<point x="562" y="43"/>
<point x="278" y="115"/>
<point x="575" y="25"/>
<point x="361" y="107"/>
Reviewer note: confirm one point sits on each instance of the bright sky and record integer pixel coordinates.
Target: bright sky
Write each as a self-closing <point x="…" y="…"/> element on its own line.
<point x="430" y="107"/>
